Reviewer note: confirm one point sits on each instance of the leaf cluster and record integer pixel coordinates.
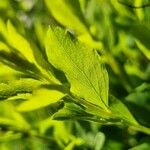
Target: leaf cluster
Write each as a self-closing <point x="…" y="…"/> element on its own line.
<point x="64" y="86"/>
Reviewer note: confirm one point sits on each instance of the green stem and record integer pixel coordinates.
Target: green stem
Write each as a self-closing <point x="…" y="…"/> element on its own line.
<point x="141" y="129"/>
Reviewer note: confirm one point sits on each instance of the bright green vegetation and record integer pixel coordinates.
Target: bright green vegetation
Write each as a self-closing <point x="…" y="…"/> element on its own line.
<point x="74" y="75"/>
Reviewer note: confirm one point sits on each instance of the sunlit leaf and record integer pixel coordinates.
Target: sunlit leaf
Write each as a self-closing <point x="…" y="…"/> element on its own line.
<point x="3" y="46"/>
<point x="81" y="65"/>
<point x="71" y="10"/>
<point x="8" y="136"/>
<point x="13" y="88"/>
<point x="41" y="98"/>
<point x="23" y="57"/>
<point x="20" y="43"/>
<point x="12" y="119"/>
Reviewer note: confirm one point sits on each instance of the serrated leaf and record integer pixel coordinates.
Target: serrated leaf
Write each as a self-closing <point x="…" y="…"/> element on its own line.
<point x="41" y="97"/>
<point x="81" y="65"/>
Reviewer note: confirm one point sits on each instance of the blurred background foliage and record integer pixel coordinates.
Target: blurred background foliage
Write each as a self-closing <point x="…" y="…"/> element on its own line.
<point x="120" y="32"/>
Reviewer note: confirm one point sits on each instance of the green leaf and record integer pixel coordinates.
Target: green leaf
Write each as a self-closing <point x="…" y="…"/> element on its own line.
<point x="19" y="43"/>
<point x="3" y="46"/>
<point x="140" y="96"/>
<point x="143" y="49"/>
<point x="71" y="111"/>
<point x="73" y="19"/>
<point x="142" y="33"/>
<point x="41" y="97"/>
<point x="9" y="122"/>
<point x="75" y="142"/>
<point x="69" y="14"/>
<point x="121" y="111"/>
<point x="3" y="29"/>
<point x="144" y="146"/>
<point x="17" y="58"/>
<point x="30" y="57"/>
<point x="99" y="141"/>
<point x="82" y="66"/>
<point x="7" y="73"/>
<point x="74" y="112"/>
<point x="10" y="135"/>
<point x="13" y="88"/>
<point x="19" y="63"/>
<point x="10" y="118"/>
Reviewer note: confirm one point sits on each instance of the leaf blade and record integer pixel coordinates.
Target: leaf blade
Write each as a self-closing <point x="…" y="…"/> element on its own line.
<point x="120" y="110"/>
<point x="41" y="97"/>
<point x="13" y="88"/>
<point x="83" y="69"/>
<point x="71" y="10"/>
